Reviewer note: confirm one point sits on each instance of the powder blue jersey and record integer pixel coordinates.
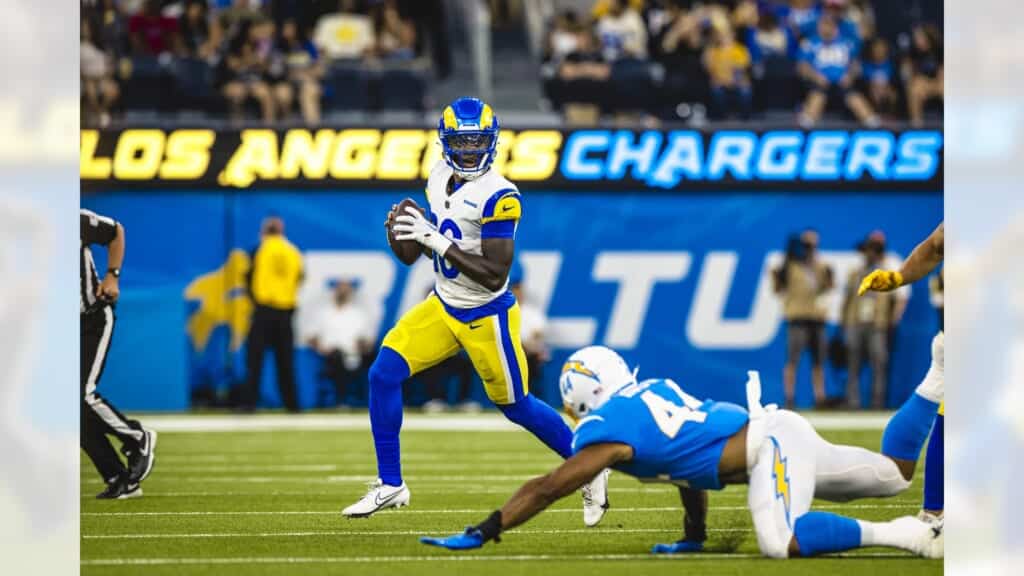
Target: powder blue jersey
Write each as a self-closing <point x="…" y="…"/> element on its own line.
<point x="831" y="59"/>
<point x="675" y="437"/>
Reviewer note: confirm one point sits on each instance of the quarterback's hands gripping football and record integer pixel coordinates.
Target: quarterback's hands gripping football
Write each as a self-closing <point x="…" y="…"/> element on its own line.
<point x="471" y="538"/>
<point x="413" y="225"/>
<point x="880" y="281"/>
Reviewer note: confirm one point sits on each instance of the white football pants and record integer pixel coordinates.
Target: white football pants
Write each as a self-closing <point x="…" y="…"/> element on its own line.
<point x="790" y="464"/>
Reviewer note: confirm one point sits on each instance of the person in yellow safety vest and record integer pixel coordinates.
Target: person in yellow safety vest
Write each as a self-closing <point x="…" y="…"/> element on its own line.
<point x="274" y="279"/>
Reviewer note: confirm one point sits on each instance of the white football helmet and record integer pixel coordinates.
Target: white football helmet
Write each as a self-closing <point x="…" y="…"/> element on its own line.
<point x="589" y="378"/>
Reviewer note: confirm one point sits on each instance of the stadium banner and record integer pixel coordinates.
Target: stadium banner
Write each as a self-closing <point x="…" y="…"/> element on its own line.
<point x="566" y="160"/>
<point x="680" y="284"/>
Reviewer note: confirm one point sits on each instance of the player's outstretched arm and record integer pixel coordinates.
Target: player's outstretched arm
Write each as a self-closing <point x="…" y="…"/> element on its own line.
<point x="925" y="257"/>
<point x="538" y="494"/>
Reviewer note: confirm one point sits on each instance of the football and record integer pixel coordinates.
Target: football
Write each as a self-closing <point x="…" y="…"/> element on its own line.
<point x="406" y="250"/>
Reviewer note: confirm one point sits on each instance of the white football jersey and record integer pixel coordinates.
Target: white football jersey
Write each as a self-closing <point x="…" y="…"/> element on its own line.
<point x="488" y="206"/>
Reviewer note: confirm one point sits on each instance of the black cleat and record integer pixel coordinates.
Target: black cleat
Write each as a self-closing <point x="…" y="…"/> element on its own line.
<point x="120" y="489"/>
<point x="141" y="459"/>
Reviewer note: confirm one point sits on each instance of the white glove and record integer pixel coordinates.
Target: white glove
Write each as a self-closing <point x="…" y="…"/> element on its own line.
<point x="414" y="226"/>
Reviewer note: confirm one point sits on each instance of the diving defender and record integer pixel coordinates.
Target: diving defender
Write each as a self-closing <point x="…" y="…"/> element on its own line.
<point x="656" y="432"/>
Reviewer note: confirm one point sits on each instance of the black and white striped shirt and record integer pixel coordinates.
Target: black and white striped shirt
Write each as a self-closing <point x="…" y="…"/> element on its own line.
<point x="95" y="229"/>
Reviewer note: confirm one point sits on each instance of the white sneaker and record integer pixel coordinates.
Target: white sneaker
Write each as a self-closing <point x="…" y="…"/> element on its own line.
<point x="595" y="499"/>
<point x="378" y="497"/>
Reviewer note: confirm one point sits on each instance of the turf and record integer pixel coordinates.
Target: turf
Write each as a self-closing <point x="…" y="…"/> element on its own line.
<point x="269" y="503"/>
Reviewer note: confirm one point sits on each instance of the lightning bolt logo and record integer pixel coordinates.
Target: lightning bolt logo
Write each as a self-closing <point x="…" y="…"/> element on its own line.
<point x="781" y="476"/>
<point x="578" y="368"/>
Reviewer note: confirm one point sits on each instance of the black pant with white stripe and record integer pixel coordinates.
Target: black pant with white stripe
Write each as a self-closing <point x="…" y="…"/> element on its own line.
<point x="99" y="417"/>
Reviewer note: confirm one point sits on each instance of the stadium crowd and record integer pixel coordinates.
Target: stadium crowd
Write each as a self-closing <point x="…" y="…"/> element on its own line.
<point x="735" y="58"/>
<point x="270" y="59"/>
<point x="273" y="60"/>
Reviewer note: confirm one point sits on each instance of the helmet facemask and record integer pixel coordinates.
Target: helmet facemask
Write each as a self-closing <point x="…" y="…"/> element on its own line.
<point x="469" y="153"/>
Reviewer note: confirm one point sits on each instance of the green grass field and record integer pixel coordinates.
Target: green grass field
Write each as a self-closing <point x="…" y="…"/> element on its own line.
<point x="269" y="502"/>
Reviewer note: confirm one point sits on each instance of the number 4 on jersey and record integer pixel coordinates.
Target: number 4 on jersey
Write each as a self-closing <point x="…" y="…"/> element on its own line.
<point x="669" y="416"/>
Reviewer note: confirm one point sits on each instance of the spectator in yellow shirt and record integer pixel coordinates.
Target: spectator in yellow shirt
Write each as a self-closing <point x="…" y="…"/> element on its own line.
<point x="274" y="280"/>
<point x="728" y="65"/>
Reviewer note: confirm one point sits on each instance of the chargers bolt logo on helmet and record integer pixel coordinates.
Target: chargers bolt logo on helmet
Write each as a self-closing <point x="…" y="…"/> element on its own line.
<point x="590" y="377"/>
<point x="468" y="131"/>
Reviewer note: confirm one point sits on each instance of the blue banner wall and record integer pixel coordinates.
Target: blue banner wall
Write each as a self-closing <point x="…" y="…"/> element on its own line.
<point x="678" y="283"/>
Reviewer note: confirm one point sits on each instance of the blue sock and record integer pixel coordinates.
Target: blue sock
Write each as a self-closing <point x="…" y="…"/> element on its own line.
<point x="933" y="468"/>
<point x="387" y="373"/>
<point x="824" y="532"/>
<point x="906" y="432"/>
<point x="543" y="421"/>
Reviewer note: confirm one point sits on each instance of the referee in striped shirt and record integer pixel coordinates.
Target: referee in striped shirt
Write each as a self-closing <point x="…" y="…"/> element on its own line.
<point x="99" y="417"/>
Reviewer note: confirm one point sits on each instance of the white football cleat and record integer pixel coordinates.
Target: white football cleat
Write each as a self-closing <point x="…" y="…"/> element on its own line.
<point x="378" y="497"/>
<point x="925" y="537"/>
<point x="595" y="499"/>
<point x="935" y="546"/>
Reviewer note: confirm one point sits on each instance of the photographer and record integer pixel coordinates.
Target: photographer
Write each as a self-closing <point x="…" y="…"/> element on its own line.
<point x="867" y="321"/>
<point x="802" y="282"/>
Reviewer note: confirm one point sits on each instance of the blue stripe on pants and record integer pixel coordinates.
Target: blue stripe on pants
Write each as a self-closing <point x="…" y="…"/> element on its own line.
<point x="510" y="357"/>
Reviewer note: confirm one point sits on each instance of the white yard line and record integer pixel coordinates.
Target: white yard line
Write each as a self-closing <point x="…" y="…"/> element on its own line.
<point x="369" y="468"/>
<point x="143" y="536"/>
<point x="454" y="511"/>
<point x="420" y="422"/>
<point x="347" y="455"/>
<point x="513" y="481"/>
<point x="441" y="490"/>
<point x="339" y="479"/>
<point x="435" y="558"/>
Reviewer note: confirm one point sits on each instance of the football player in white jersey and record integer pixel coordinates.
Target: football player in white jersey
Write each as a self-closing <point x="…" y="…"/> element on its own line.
<point x="469" y="231"/>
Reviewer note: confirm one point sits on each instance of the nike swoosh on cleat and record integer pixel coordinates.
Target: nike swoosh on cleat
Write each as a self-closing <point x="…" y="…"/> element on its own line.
<point x="472" y="327"/>
<point x="379" y="502"/>
<point x="507" y="208"/>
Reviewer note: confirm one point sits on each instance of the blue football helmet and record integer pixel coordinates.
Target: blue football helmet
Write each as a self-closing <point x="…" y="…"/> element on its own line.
<point x="468" y="130"/>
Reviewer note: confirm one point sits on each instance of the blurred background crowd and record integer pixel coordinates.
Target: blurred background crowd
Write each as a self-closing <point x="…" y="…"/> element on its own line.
<point x="580" y="61"/>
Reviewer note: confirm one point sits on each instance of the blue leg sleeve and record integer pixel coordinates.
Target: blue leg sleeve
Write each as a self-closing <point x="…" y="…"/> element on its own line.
<point x="906" y="432"/>
<point x="543" y="421"/>
<point x="387" y="373"/>
<point x="933" y="469"/>
<point x="824" y="532"/>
